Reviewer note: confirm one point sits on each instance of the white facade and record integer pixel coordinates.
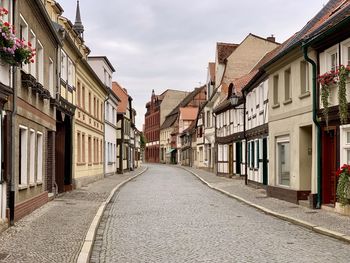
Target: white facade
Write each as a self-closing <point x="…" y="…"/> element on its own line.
<point x="257" y="109"/>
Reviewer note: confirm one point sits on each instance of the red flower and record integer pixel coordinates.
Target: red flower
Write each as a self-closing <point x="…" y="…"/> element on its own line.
<point x="6" y="24"/>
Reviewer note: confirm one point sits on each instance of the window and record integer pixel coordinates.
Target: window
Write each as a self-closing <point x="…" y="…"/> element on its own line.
<point x="345" y="145"/>
<point x="83" y="148"/>
<point x="70" y="73"/>
<point x="89" y="102"/>
<point x="63" y="66"/>
<point x="39" y="169"/>
<point x="97" y="109"/>
<point x="79" y="147"/>
<point x="256" y="164"/>
<point x="32" y="153"/>
<point x="23" y="155"/>
<point x="101" y="151"/>
<point x="23" y="33"/>
<point x="32" y="66"/>
<point x="6" y="4"/>
<point x="334" y="61"/>
<point x="94" y="106"/>
<point x="83" y="97"/>
<point x="78" y="94"/>
<point x="208" y="119"/>
<point x="51" y="77"/>
<point x="101" y="111"/>
<point x="304" y="77"/>
<point x="283" y="161"/>
<point x="40" y="62"/>
<point x="348" y="58"/>
<point x="287" y="85"/>
<point x="89" y="150"/>
<point x="275" y="90"/>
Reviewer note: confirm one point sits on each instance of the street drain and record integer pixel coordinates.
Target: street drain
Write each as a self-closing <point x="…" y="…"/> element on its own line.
<point x="261" y="197"/>
<point x="3" y="256"/>
<point x="293" y="207"/>
<point x="70" y="203"/>
<point x="311" y="212"/>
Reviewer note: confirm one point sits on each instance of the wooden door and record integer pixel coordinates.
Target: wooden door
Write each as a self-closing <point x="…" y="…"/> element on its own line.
<point x="230" y="159"/>
<point x="60" y="155"/>
<point x="238" y="157"/>
<point x="329" y="165"/>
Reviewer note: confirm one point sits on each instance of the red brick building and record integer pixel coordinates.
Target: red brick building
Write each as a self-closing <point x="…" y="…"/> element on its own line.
<point x="152" y="128"/>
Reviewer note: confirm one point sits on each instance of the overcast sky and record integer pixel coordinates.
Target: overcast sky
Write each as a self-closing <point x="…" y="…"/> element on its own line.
<point x="161" y="44"/>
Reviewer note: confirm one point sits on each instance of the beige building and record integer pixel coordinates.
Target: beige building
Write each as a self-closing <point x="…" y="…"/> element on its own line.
<point x="35" y="121"/>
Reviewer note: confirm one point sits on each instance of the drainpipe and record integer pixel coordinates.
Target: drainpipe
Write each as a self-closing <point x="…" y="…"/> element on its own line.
<point x="215" y="146"/>
<point x="13" y="134"/>
<point x="318" y="126"/>
<point x="104" y="136"/>
<point x="246" y="140"/>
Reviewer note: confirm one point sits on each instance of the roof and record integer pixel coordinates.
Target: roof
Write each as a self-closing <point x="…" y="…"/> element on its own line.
<point x="122" y="95"/>
<point x="190" y="129"/>
<point x="224" y="50"/>
<point x="332" y="13"/>
<point x="189" y="113"/>
<point x="172" y="116"/>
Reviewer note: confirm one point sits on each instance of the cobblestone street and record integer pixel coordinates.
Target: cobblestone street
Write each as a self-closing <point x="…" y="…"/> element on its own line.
<point x="56" y="231"/>
<point x="167" y="215"/>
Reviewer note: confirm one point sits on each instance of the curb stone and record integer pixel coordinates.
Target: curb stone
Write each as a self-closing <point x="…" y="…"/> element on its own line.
<point x="85" y="252"/>
<point x="318" y="229"/>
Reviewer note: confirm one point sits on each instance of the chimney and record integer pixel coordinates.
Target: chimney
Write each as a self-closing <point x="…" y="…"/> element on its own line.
<point x="271" y="38"/>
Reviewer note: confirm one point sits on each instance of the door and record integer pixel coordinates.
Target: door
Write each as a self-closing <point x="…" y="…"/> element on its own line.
<point x="60" y="155"/>
<point x="329" y="165"/>
<point x="230" y="159"/>
<point x="238" y="157"/>
<point x="265" y="162"/>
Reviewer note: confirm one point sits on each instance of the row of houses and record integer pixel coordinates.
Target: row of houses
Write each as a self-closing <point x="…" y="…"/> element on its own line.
<point x="64" y="122"/>
<point x="274" y="114"/>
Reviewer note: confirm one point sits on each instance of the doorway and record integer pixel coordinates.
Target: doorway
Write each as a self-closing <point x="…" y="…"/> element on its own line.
<point x="265" y="162"/>
<point x="329" y="165"/>
<point x="230" y="159"/>
<point x="238" y="157"/>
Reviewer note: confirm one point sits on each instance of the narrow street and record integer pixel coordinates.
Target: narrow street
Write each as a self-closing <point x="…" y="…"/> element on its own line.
<point x="167" y="215"/>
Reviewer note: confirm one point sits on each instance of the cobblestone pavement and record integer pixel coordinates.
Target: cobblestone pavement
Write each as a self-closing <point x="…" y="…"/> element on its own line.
<point x="167" y="215"/>
<point x="322" y="218"/>
<point x="56" y="231"/>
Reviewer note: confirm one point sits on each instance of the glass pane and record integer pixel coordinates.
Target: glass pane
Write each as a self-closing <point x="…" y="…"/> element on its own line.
<point x="284" y="163"/>
<point x="348" y="156"/>
<point x="348" y="137"/>
<point x="348" y="55"/>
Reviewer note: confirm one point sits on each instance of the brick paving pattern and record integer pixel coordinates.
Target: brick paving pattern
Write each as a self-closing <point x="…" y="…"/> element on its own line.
<point x="167" y="215"/>
<point x="56" y="231"/>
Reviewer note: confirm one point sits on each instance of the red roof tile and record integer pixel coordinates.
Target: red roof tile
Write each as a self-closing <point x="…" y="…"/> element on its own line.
<point x="224" y="50"/>
<point x="188" y="113"/>
<point x="122" y="95"/>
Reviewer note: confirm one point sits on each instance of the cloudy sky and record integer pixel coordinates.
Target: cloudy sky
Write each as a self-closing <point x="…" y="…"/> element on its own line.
<point x="161" y="44"/>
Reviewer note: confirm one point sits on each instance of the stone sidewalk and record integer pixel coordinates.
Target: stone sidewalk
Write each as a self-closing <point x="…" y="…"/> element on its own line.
<point x="321" y="221"/>
<point x="56" y="231"/>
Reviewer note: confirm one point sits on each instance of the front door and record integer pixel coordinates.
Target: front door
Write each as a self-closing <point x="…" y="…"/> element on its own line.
<point x="265" y="162"/>
<point x="230" y="159"/>
<point x="238" y="157"/>
<point x="329" y="165"/>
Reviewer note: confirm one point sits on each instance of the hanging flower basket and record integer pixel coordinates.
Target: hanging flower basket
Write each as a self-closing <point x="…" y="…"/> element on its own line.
<point x="343" y="186"/>
<point x="335" y="77"/>
<point x="13" y="51"/>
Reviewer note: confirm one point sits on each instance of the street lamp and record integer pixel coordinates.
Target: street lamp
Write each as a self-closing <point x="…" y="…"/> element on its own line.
<point x="234" y="102"/>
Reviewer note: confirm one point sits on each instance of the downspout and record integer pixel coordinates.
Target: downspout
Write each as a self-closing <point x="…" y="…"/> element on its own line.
<point x="104" y="137"/>
<point x="13" y="134"/>
<point x="318" y="126"/>
<point x="215" y="146"/>
<point x="246" y="140"/>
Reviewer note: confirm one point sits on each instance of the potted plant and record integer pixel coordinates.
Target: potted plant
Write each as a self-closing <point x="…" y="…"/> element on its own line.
<point x="343" y="186"/>
<point x="13" y="51"/>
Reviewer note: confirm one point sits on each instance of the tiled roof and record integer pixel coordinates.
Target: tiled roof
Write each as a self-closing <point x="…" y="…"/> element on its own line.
<point x="332" y="13"/>
<point x="188" y="113"/>
<point x="224" y="50"/>
<point x="190" y="129"/>
<point x="172" y="116"/>
<point x="122" y="95"/>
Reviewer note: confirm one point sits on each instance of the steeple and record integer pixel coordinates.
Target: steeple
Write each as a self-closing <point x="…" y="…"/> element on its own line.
<point x="78" y="25"/>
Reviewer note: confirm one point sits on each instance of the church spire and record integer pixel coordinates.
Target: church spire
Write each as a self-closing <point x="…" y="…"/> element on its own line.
<point x="78" y="25"/>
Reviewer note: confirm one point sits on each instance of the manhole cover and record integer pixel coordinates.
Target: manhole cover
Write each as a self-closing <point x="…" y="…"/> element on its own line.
<point x="3" y="256"/>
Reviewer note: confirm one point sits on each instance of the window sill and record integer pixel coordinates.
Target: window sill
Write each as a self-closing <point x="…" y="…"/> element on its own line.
<point x="286" y="102"/>
<point x="39" y="183"/>
<point x="304" y="95"/>
<point x="90" y="164"/>
<point x="81" y="164"/>
<point x="275" y="106"/>
<point x="22" y="187"/>
<point x="31" y="185"/>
